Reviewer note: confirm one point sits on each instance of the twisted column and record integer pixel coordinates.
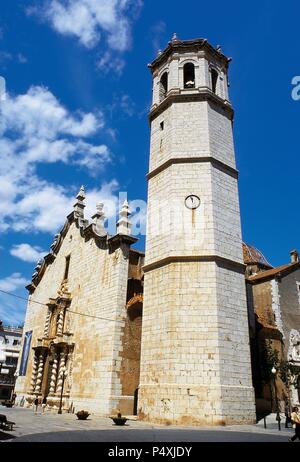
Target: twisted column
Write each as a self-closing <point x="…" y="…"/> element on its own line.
<point x="62" y="366"/>
<point x="47" y="323"/>
<point x="60" y="323"/>
<point x="33" y="373"/>
<point x="53" y="375"/>
<point x="39" y="374"/>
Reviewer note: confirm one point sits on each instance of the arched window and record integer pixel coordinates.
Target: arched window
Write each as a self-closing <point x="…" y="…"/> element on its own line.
<point x="214" y="80"/>
<point x="163" y="86"/>
<point x="189" y="75"/>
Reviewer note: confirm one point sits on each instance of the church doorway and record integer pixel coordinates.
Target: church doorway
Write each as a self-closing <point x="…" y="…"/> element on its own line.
<point x="135" y="402"/>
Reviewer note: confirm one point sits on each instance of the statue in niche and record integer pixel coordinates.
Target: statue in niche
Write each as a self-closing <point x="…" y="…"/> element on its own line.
<point x="294" y="348"/>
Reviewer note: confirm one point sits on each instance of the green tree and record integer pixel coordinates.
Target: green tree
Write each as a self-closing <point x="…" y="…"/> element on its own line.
<point x="270" y="359"/>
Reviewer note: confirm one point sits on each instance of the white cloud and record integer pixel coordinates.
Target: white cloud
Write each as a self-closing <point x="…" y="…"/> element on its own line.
<point x="90" y="20"/>
<point x="38" y="113"/>
<point x="12" y="309"/>
<point x="5" y="56"/>
<point x="122" y="104"/>
<point x="21" y="58"/>
<point x="13" y="282"/>
<point x="26" y="252"/>
<point x="158" y="32"/>
<point x="43" y="211"/>
<point x="34" y="129"/>
<point x="108" y="63"/>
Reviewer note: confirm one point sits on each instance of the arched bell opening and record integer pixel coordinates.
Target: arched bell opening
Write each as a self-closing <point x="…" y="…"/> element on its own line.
<point x="189" y="75"/>
<point x="163" y="86"/>
<point x="214" y="80"/>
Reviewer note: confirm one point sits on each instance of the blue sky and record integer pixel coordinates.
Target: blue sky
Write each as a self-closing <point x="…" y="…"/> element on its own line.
<point x="78" y="93"/>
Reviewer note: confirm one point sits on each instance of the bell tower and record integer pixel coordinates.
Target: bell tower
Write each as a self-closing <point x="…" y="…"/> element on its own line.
<point x="195" y="365"/>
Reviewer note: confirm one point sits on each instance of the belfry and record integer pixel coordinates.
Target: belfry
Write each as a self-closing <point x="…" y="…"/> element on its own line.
<point x="195" y="360"/>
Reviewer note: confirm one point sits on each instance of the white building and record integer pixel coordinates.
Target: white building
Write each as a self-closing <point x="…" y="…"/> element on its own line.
<point x="10" y="345"/>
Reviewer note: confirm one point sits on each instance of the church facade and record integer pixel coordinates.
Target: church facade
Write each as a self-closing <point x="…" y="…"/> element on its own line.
<point x="82" y="339"/>
<point x="163" y="335"/>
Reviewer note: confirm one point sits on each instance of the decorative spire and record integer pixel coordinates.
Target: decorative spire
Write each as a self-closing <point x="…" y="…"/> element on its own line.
<point x="124" y="225"/>
<point x="175" y="38"/>
<point x="37" y="268"/>
<point x="81" y="194"/>
<point x="55" y="242"/>
<point x="79" y="204"/>
<point x="98" y="221"/>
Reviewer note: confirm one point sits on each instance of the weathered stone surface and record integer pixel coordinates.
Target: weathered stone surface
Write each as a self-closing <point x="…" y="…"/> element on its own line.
<point x="94" y="323"/>
<point x="195" y="364"/>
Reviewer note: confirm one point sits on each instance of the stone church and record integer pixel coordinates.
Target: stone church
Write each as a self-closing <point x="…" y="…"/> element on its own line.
<point x="273" y="296"/>
<point x="163" y="335"/>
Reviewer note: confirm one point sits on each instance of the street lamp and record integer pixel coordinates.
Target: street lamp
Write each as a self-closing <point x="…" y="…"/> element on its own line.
<point x="63" y="376"/>
<point x="274" y="372"/>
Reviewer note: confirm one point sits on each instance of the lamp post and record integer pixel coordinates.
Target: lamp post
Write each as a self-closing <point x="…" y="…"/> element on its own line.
<point x="274" y="372"/>
<point x="63" y="372"/>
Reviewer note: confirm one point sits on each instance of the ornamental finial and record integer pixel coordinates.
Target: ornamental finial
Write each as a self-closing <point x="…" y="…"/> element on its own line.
<point x="79" y="204"/>
<point x="124" y="225"/>
<point x="98" y="221"/>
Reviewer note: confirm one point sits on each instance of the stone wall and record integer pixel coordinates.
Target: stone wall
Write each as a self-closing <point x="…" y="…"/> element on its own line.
<point x="97" y="282"/>
<point x="131" y="356"/>
<point x="195" y="363"/>
<point x="262" y="299"/>
<point x="195" y="347"/>
<point x="290" y="304"/>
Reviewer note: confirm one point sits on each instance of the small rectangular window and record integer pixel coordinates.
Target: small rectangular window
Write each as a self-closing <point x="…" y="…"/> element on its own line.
<point x="162" y="125"/>
<point x="10" y="361"/>
<point x="298" y="290"/>
<point x="67" y="267"/>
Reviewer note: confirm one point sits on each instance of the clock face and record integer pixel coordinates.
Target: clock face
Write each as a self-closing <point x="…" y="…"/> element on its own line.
<point x="192" y="202"/>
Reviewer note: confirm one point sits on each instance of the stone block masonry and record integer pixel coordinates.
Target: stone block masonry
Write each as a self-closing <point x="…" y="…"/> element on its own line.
<point x="86" y="338"/>
<point x="194" y="347"/>
<point x="195" y="363"/>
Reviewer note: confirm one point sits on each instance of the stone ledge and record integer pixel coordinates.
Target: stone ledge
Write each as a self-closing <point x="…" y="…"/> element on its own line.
<point x="191" y="160"/>
<point x="220" y="261"/>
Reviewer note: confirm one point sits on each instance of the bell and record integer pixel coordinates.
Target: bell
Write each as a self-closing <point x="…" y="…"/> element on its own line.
<point x="190" y="84"/>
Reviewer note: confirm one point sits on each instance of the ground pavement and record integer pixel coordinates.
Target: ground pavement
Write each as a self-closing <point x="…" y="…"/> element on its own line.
<point x="66" y="428"/>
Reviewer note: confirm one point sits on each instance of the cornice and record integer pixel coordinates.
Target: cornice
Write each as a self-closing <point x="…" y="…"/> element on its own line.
<point x="183" y="46"/>
<point x="220" y="261"/>
<point x="190" y="160"/>
<point x="122" y="238"/>
<point x="87" y="231"/>
<point x="180" y="96"/>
